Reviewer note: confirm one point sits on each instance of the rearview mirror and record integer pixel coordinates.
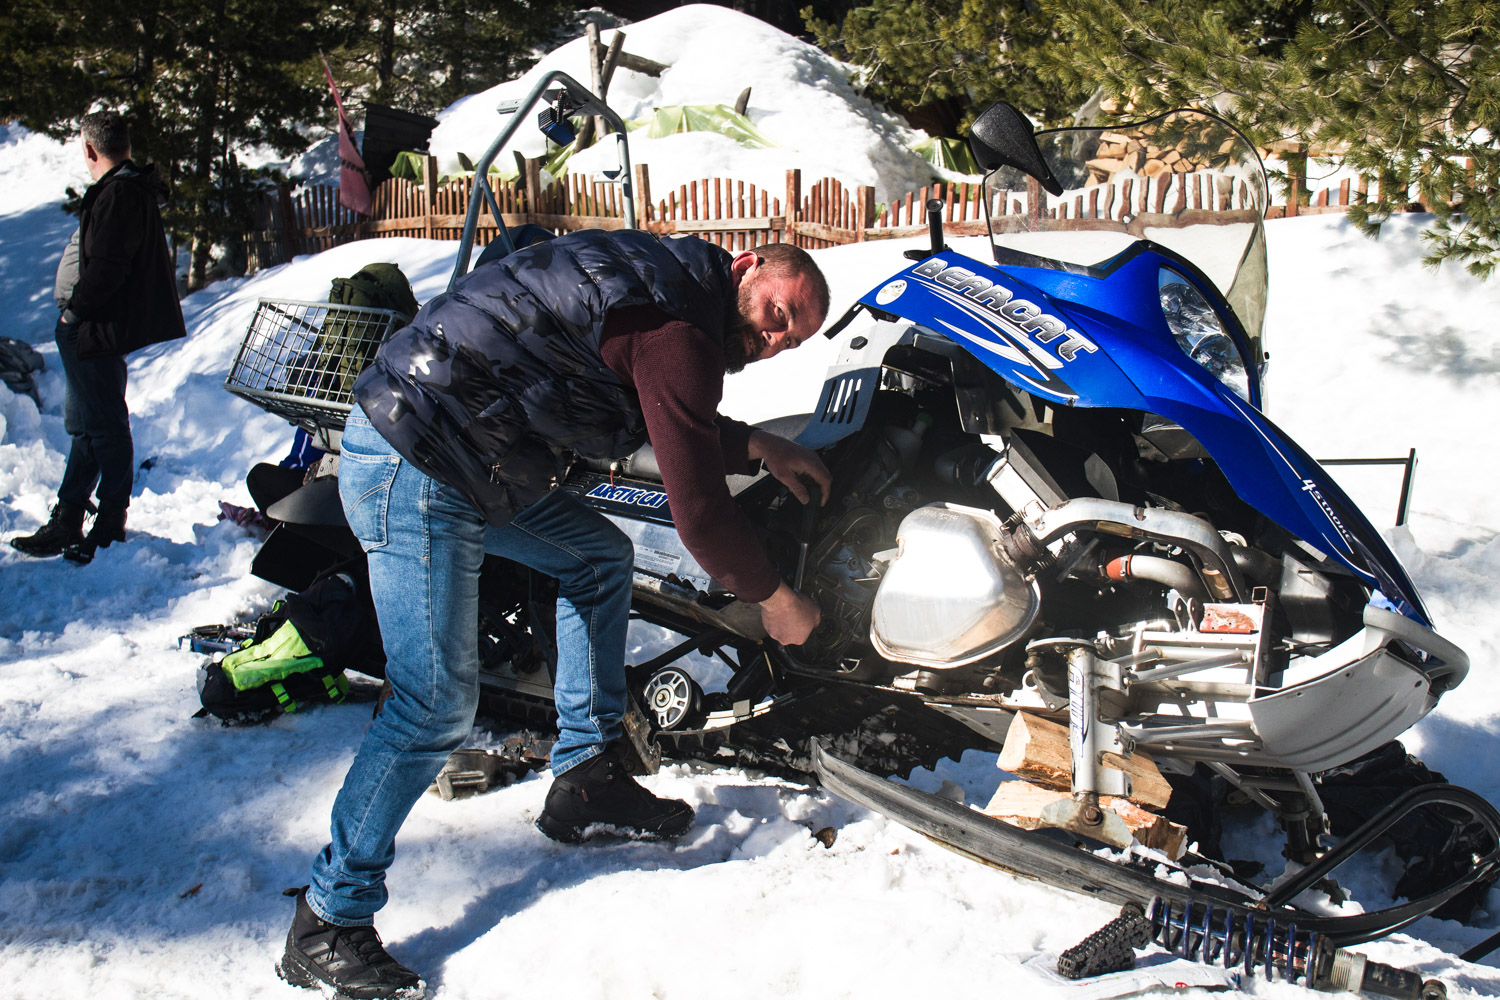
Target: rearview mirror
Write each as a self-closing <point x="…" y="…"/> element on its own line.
<point x="1002" y="137"/>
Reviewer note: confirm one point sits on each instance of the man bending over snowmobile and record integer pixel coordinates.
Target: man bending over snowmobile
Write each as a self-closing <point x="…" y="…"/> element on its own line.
<point x="585" y="345"/>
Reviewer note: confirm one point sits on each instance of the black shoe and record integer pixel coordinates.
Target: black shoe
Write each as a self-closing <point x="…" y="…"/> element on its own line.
<point x="351" y="960"/>
<point x="600" y="793"/>
<point x="63" y="528"/>
<point x="108" y="527"/>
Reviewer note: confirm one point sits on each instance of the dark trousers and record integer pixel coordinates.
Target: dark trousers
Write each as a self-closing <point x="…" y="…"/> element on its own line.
<point x="94" y="414"/>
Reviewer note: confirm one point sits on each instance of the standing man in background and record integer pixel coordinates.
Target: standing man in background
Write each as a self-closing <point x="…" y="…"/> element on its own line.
<point x="116" y="292"/>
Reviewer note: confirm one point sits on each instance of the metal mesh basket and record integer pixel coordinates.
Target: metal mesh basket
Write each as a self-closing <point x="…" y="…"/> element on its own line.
<point x="299" y="360"/>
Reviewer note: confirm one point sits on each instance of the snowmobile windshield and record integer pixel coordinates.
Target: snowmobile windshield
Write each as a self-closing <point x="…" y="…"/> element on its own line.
<point x="1185" y="180"/>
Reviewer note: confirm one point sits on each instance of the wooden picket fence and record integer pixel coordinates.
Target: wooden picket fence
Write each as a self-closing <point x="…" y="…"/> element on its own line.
<point x="737" y="215"/>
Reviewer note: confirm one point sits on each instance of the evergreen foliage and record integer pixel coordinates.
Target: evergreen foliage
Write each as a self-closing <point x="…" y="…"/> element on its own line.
<point x="201" y="79"/>
<point x="1404" y="93"/>
<point x="197" y="79"/>
<point x="422" y="55"/>
<point x="912" y="52"/>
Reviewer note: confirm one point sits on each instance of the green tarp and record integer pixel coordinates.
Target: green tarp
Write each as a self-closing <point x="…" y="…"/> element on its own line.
<point x="661" y="122"/>
<point x="950" y="154"/>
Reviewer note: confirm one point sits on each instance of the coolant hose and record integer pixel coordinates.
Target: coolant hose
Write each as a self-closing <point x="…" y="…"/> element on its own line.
<point x="1167" y="572"/>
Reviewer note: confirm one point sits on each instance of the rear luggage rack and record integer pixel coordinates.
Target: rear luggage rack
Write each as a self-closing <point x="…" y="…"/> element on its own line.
<point x="299" y="360"/>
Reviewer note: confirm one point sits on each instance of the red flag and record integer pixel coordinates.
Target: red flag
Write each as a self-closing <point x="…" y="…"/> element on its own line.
<point x="354" y="193"/>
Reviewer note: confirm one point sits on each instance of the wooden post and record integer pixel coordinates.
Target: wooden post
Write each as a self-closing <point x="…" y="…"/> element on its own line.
<point x="643" y="210"/>
<point x="793" y="204"/>
<point x="864" y="199"/>
<point x="533" y="187"/>
<point x="288" y="221"/>
<point x="429" y="193"/>
<point x="1296" y="174"/>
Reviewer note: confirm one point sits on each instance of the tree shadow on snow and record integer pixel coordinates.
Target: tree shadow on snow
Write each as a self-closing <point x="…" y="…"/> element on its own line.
<point x="26" y="279"/>
<point x="1445" y="352"/>
<point x="526" y="866"/>
<point x="136" y="824"/>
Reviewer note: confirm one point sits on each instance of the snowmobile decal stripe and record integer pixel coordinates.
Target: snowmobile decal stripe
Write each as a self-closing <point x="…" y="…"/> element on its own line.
<point x="628" y="495"/>
<point x="1344" y="544"/>
<point x="988" y="319"/>
<point x="1023" y="317"/>
<point x="1051" y="389"/>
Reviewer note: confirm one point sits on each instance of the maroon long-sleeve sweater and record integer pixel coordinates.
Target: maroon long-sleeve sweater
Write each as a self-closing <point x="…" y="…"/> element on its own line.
<point x="678" y="373"/>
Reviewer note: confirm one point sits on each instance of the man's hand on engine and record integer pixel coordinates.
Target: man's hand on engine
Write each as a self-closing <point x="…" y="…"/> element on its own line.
<point x="789" y="617"/>
<point x="791" y="463"/>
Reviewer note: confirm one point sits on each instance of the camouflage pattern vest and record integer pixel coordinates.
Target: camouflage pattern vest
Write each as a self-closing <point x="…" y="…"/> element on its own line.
<point x="496" y="381"/>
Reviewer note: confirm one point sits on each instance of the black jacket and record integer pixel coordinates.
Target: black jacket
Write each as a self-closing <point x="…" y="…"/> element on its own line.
<point x="495" y="382"/>
<point x="126" y="295"/>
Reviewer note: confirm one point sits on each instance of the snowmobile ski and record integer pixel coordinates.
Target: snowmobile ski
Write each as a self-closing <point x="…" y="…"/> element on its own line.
<point x="1067" y="864"/>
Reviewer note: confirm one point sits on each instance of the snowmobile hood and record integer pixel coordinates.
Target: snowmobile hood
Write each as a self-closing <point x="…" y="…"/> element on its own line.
<point x="1097" y="337"/>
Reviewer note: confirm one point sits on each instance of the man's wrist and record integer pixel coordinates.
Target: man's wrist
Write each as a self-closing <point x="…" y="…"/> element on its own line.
<point x="780" y="596"/>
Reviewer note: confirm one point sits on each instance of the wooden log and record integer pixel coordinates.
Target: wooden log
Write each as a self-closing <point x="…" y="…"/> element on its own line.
<point x="611" y="60"/>
<point x="594" y="125"/>
<point x="642" y="65"/>
<point x="1020" y="804"/>
<point x="1036" y="749"/>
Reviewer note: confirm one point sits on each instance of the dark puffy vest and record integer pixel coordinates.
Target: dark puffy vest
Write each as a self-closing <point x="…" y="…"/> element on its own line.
<point x="496" y="381"/>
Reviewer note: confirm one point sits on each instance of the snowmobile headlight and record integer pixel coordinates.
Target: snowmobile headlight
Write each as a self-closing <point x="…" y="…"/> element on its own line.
<point x="1199" y="331"/>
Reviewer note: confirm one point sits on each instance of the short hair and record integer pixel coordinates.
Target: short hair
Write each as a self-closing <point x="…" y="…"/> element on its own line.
<point x="108" y="133"/>
<point x="785" y="260"/>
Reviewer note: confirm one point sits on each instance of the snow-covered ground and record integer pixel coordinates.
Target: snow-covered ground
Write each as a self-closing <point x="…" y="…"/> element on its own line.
<point x="142" y="851"/>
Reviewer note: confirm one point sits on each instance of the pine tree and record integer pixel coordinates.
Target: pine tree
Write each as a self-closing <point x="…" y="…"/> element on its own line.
<point x="198" y="80"/>
<point x="912" y="52"/>
<point x="422" y="55"/>
<point x="1405" y="93"/>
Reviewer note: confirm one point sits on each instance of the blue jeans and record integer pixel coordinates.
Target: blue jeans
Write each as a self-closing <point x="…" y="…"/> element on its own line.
<point x="425" y="544"/>
<point x="94" y="414"/>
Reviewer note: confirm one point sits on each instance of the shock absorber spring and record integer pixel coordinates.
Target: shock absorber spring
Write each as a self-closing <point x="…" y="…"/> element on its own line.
<point x="1236" y="939"/>
<point x="1242" y="940"/>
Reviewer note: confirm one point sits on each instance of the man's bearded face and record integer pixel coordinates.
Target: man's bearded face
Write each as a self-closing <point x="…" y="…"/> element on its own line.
<point x="742" y="344"/>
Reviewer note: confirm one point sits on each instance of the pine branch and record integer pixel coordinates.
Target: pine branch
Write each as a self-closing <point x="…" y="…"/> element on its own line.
<point x="1411" y="50"/>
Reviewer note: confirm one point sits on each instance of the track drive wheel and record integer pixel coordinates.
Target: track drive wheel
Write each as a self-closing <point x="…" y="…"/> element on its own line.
<point x="674" y="700"/>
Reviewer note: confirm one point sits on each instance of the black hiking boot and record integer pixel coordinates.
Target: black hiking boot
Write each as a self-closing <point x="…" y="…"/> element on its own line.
<point x="599" y="795"/>
<point x="63" y="528"/>
<point x="108" y="527"/>
<point x="348" y="960"/>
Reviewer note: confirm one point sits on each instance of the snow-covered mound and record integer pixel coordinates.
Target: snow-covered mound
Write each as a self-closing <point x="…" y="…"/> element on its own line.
<point x="800" y="97"/>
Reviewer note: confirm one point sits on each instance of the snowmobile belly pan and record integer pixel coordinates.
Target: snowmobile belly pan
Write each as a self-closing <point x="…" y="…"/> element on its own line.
<point x="1341" y="715"/>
